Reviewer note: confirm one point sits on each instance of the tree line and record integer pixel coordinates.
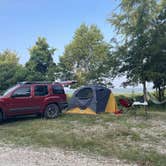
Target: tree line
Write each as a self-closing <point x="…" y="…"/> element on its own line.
<point x="137" y="51"/>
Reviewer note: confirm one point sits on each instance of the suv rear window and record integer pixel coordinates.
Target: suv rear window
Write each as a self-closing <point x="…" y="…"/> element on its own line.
<point x="57" y="89"/>
<point x="41" y="90"/>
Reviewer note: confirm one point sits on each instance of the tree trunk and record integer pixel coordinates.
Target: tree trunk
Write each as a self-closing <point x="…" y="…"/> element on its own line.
<point x="163" y="92"/>
<point x="160" y="93"/>
<point x="144" y="91"/>
<point x="145" y="98"/>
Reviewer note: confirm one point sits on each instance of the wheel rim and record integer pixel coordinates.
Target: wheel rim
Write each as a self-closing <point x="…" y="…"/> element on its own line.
<point x="52" y="110"/>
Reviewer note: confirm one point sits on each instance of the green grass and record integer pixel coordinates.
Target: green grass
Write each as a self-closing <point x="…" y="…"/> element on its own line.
<point x="122" y="137"/>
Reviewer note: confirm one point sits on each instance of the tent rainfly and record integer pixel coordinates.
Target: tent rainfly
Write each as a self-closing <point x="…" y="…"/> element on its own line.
<point x="92" y="99"/>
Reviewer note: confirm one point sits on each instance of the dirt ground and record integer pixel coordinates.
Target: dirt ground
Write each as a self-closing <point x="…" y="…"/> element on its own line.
<point x="16" y="156"/>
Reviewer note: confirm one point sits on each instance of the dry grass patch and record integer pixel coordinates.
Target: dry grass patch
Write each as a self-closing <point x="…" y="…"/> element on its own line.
<point x="133" y="140"/>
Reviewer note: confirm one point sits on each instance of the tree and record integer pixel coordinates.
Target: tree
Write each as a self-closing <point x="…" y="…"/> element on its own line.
<point x="157" y="48"/>
<point x="8" y="57"/>
<point x="133" y="22"/>
<point x="11" y="71"/>
<point x="41" y="65"/>
<point x="85" y="58"/>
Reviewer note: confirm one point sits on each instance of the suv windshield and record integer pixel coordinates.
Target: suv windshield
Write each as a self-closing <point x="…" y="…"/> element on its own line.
<point x="9" y="90"/>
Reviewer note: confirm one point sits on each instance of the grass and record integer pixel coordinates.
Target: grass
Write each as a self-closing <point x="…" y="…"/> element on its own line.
<point x="137" y="141"/>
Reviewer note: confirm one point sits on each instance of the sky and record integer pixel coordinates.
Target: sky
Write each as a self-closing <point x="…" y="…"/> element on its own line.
<point x="23" y="21"/>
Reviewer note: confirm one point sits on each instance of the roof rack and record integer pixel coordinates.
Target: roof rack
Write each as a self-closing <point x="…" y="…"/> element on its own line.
<point x="64" y="83"/>
<point x="35" y="82"/>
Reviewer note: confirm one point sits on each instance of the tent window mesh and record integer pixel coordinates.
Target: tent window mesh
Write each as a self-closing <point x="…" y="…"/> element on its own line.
<point x="85" y="93"/>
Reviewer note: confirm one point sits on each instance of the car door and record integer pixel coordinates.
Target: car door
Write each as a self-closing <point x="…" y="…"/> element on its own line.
<point x="40" y="92"/>
<point x="20" y="102"/>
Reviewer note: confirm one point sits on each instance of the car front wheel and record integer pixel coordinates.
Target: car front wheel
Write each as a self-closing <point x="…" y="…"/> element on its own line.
<point x="51" y="111"/>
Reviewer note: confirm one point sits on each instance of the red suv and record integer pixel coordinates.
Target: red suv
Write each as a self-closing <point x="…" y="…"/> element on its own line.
<point x="48" y="99"/>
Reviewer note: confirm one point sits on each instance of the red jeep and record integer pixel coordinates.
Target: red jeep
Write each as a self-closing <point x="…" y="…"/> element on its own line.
<point x="48" y="99"/>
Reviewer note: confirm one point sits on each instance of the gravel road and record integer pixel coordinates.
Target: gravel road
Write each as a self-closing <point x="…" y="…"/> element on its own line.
<point x="28" y="156"/>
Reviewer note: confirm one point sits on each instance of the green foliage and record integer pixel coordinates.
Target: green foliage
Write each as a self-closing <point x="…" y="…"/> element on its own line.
<point x="157" y="48"/>
<point x="8" y="57"/>
<point x="141" y="26"/>
<point x="11" y="71"/>
<point x="41" y="66"/>
<point x="85" y="58"/>
<point x="133" y="23"/>
<point x="133" y="17"/>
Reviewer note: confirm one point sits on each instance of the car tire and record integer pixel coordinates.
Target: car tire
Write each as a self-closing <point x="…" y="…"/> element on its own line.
<point x="52" y="111"/>
<point x="39" y="115"/>
<point x="1" y="117"/>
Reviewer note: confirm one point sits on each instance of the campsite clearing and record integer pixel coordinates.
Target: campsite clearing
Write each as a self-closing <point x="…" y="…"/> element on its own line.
<point x="132" y="141"/>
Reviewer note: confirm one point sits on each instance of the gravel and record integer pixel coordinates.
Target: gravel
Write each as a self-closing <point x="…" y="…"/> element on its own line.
<point x="29" y="156"/>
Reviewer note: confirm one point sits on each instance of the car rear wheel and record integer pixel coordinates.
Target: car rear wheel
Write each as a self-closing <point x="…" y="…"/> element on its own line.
<point x="51" y="111"/>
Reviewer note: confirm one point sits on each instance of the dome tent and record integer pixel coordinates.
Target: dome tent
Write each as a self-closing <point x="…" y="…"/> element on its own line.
<point x="92" y="99"/>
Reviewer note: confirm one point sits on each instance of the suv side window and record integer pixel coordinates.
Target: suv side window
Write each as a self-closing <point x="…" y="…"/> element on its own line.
<point x="57" y="89"/>
<point x="22" y="92"/>
<point x="41" y="90"/>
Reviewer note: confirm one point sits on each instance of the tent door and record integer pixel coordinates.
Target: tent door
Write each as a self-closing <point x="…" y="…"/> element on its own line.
<point x="102" y="96"/>
<point x="84" y="97"/>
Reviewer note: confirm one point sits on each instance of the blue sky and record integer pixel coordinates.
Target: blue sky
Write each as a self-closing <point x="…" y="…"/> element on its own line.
<point x="22" y="21"/>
